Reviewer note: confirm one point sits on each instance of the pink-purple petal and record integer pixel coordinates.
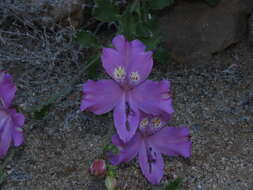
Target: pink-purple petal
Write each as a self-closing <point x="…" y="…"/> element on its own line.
<point x="100" y="96"/>
<point x="128" y="152"/>
<point x="7" y="89"/>
<point x="17" y="133"/>
<point x="137" y="46"/>
<point x="151" y="169"/>
<point x="117" y="141"/>
<point x="4" y="117"/>
<point x="18" y="137"/>
<point x="140" y="63"/>
<point x="124" y="129"/>
<point x="133" y="116"/>
<point x="153" y="97"/>
<point x="120" y="43"/>
<point x="18" y="118"/>
<point x="112" y="59"/>
<point x="172" y="141"/>
<point x="11" y="124"/>
<point x="5" y="138"/>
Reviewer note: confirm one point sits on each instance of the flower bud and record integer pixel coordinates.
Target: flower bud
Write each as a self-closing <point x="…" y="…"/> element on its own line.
<point x="98" y="168"/>
<point x="110" y="183"/>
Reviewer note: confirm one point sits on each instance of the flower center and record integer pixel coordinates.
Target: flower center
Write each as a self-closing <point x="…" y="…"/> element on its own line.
<point x="134" y="76"/>
<point x="119" y="73"/>
<point x="144" y="122"/>
<point x="156" y="122"/>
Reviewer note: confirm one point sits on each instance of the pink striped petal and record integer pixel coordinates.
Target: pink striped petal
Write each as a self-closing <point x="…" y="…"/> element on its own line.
<point x="153" y="97"/>
<point x="100" y="96"/>
<point x="172" y="141"/>
<point x="151" y="165"/>
<point x="128" y="150"/>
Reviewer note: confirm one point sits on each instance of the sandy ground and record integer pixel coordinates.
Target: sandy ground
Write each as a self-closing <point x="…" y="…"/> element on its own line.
<point x="215" y="99"/>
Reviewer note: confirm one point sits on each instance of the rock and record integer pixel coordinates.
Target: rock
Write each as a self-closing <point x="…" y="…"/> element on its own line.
<point x="250" y="24"/>
<point x="193" y="31"/>
<point x="70" y="12"/>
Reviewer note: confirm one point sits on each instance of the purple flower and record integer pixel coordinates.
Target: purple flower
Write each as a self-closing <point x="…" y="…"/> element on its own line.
<point x="149" y="143"/>
<point x="7" y="89"/>
<point x="129" y="92"/>
<point x="11" y="122"/>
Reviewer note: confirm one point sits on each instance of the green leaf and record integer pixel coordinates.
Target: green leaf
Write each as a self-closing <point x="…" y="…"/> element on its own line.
<point x="105" y="11"/>
<point x="86" y="39"/>
<point x="152" y="42"/>
<point x="40" y="111"/>
<point x="174" y="185"/>
<point x="38" y="115"/>
<point x="160" y="4"/>
<point x="111" y="148"/>
<point x="93" y="70"/>
<point x="212" y="3"/>
<point x="128" y="25"/>
<point x="135" y="7"/>
<point x="2" y="177"/>
<point x="157" y="187"/>
<point x="162" y="55"/>
<point x="112" y="170"/>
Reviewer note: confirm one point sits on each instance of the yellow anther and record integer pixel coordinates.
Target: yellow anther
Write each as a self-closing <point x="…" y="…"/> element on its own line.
<point x="156" y="122"/>
<point x="119" y="73"/>
<point x="134" y="76"/>
<point x="144" y="123"/>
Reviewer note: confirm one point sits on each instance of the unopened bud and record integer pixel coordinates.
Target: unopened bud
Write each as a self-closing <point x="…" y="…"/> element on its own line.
<point x="110" y="183"/>
<point x="98" y="168"/>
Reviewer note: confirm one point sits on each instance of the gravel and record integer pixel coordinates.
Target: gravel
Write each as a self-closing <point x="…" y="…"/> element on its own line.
<point x="215" y="99"/>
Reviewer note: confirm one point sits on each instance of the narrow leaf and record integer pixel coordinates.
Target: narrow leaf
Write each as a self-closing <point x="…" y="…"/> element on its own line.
<point x="2" y="177"/>
<point x="94" y="70"/>
<point x="160" y="4"/>
<point x="174" y="185"/>
<point x="38" y="115"/>
<point x="105" y="11"/>
<point x="128" y="26"/>
<point x="86" y="39"/>
<point x="112" y="170"/>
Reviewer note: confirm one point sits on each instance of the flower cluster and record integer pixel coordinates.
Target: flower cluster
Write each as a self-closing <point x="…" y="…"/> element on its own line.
<point x="140" y="108"/>
<point x="151" y="141"/>
<point x="11" y="122"/>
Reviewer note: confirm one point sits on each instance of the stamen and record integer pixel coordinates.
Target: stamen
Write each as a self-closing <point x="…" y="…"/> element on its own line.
<point x="144" y="123"/>
<point x="156" y="122"/>
<point x="119" y="73"/>
<point x="134" y="76"/>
